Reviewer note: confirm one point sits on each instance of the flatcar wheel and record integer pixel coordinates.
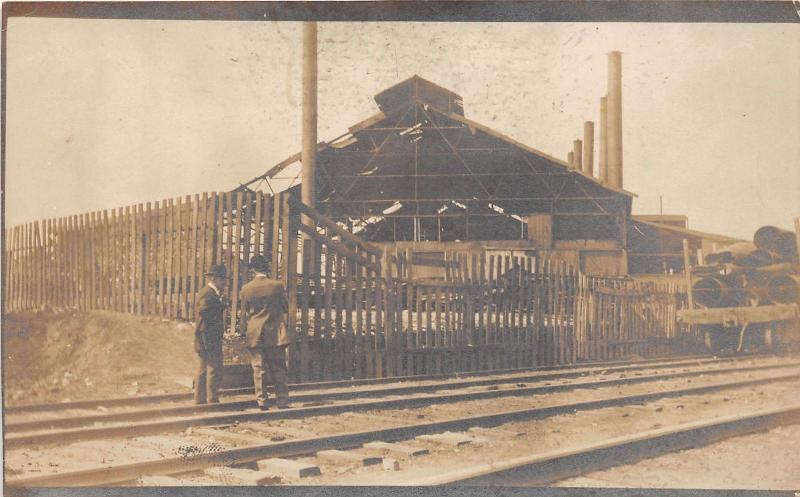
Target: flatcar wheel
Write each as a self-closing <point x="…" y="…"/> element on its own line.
<point x="708" y="340"/>
<point x="769" y="339"/>
<point x="712" y="339"/>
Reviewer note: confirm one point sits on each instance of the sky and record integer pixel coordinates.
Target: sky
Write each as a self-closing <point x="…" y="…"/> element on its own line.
<point x="107" y="113"/>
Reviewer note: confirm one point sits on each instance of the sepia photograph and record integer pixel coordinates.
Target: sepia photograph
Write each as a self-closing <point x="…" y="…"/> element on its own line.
<point x="297" y="245"/>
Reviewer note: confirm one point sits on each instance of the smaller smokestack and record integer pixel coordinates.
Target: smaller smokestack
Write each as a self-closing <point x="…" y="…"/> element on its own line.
<point x="603" y="159"/>
<point x="577" y="154"/>
<point x="571" y="159"/>
<point x="588" y="148"/>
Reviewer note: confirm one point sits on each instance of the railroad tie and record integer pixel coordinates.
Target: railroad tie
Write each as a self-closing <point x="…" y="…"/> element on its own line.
<point x="344" y="456"/>
<point x="162" y="481"/>
<point x="240" y="476"/>
<point x="390" y="464"/>
<point x="397" y="449"/>
<point x="450" y="438"/>
<point x="496" y="432"/>
<point x="229" y="436"/>
<point x="277" y="433"/>
<point x="286" y="468"/>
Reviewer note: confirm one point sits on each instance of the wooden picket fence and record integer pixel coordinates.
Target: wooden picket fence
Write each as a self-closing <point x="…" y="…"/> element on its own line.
<point x="338" y="301"/>
<point x="360" y="311"/>
<point x="145" y="259"/>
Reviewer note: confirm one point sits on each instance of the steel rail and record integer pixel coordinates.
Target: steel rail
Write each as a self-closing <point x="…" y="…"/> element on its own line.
<point x="550" y="467"/>
<point x="128" y="472"/>
<point x="115" y="417"/>
<point x="179" y="424"/>
<point x="125" y="401"/>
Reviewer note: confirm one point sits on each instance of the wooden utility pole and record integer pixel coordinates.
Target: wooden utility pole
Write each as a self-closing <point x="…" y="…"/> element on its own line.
<point x="309" y="152"/>
<point x="687" y="272"/>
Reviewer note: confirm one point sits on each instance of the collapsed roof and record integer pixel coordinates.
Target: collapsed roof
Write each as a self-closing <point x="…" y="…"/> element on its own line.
<point x="421" y="162"/>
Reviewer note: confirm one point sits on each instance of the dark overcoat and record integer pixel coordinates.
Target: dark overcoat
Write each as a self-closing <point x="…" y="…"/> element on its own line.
<point x="210" y="325"/>
<point x="265" y="305"/>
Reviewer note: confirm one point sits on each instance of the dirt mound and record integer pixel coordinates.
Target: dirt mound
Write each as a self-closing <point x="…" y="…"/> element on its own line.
<point x="50" y="356"/>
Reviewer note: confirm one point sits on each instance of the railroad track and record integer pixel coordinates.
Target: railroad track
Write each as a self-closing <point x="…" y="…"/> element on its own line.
<point x="338" y="391"/>
<point x="163" y="420"/>
<point x="717" y="376"/>
<point x="186" y="397"/>
<point x="550" y="467"/>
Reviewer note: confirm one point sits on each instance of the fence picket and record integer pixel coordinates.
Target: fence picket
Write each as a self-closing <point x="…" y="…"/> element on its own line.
<point x="390" y="323"/>
<point x="361" y="343"/>
<point x="317" y="362"/>
<point x="276" y="217"/>
<point x="149" y="241"/>
<point x="328" y="331"/>
<point x="179" y="259"/>
<point x="112" y="235"/>
<point x="338" y="333"/>
<point x="347" y="309"/>
<point x="290" y="246"/>
<point x="235" y="237"/>
<point x="303" y="332"/>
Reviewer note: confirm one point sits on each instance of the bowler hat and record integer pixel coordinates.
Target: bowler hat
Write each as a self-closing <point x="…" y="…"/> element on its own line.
<point x="217" y="270"/>
<point x="258" y="263"/>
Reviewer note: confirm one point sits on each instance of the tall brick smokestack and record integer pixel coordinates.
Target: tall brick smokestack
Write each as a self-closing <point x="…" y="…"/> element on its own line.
<point x="602" y="160"/>
<point x="614" y="118"/>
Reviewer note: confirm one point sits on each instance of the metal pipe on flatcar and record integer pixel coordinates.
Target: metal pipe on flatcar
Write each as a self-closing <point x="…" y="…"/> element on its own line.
<point x="743" y="254"/>
<point x="717" y="291"/>
<point x="779" y="241"/>
<point x="784" y="289"/>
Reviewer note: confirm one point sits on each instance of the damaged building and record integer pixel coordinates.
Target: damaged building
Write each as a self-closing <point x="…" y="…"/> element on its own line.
<point x="420" y="175"/>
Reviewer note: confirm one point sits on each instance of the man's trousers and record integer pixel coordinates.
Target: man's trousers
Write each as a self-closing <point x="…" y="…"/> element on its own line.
<point x="269" y="363"/>
<point x="208" y="377"/>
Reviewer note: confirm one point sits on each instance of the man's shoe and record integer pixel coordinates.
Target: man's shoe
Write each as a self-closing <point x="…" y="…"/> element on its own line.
<point x="262" y="407"/>
<point x="284" y="406"/>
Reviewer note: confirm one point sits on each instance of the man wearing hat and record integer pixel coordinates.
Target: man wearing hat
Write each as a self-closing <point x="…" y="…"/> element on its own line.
<point x="208" y="336"/>
<point x="265" y="305"/>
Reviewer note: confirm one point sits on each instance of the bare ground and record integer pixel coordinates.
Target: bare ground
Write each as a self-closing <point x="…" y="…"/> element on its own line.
<point x="61" y="356"/>
<point x="558" y="432"/>
<point x="570" y="431"/>
<point x="759" y="461"/>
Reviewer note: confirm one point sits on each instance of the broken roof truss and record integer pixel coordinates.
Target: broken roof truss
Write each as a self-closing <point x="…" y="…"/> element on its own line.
<point x="419" y="170"/>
